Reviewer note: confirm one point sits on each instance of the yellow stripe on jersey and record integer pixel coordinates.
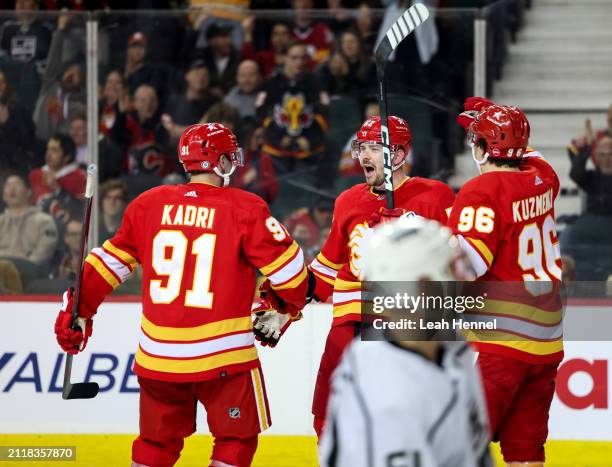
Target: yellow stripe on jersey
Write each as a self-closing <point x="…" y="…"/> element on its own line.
<point x="520" y="310"/>
<point x="341" y="284"/>
<point x="482" y="248"/>
<point x="323" y="260"/>
<point x="347" y="309"/>
<point x="293" y="283"/>
<point x="515" y="342"/>
<point x="195" y="365"/>
<point x="260" y="399"/>
<point x="322" y="277"/>
<point x="123" y="255"/>
<point x="195" y="333"/>
<point x="101" y="269"/>
<point x="281" y="260"/>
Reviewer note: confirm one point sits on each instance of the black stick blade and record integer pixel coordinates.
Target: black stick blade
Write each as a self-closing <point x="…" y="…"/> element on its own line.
<point x="408" y="21"/>
<point x="81" y="391"/>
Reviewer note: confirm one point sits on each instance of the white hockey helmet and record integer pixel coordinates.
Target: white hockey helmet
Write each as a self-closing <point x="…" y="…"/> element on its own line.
<point x="414" y="249"/>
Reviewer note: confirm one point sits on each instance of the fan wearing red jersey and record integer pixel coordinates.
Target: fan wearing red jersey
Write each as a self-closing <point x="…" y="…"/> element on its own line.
<point x="505" y="221"/>
<point x="198" y="245"/>
<point x="338" y="268"/>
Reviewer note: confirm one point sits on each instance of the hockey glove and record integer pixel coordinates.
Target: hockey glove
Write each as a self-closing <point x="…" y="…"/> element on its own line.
<point x="269" y="325"/>
<point x="277" y="303"/>
<point x="72" y="338"/>
<point x="384" y="215"/>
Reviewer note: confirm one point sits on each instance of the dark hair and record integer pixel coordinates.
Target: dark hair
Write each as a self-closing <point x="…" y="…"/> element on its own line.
<point x="498" y="162"/>
<point x="114" y="184"/>
<point x="67" y="145"/>
<point x="222" y="112"/>
<point x="20" y="175"/>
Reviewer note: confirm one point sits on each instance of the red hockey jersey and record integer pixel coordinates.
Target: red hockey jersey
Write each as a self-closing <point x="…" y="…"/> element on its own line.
<point x="338" y="268"/>
<point x="506" y="223"/>
<point x="198" y="246"/>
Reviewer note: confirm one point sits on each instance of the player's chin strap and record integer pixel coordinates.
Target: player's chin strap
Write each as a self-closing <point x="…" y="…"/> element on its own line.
<point x="225" y="177"/>
<point x="480" y="163"/>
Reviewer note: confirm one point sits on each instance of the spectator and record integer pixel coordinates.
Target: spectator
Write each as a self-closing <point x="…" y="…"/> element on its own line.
<point x="294" y="108"/>
<point x="306" y="225"/>
<point x="69" y="263"/>
<point x="143" y="140"/>
<point x="242" y="96"/>
<point x="349" y="71"/>
<point x="77" y="130"/>
<point x="28" y="237"/>
<point x="596" y="183"/>
<point x="203" y="18"/>
<point x="27" y="37"/>
<point x="224" y="114"/>
<point x="220" y="58"/>
<point x="314" y="34"/>
<point x="187" y="108"/>
<point x="16" y="130"/>
<point x="273" y="58"/>
<point x="366" y="27"/>
<point x="340" y="19"/>
<point x="590" y="136"/>
<point x="63" y="94"/>
<point x="137" y="72"/>
<point x="60" y="183"/>
<point x="114" y="196"/>
<point x="257" y="174"/>
<point x="114" y="94"/>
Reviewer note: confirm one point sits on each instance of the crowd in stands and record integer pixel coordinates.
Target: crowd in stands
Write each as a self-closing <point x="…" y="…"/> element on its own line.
<point x="275" y="79"/>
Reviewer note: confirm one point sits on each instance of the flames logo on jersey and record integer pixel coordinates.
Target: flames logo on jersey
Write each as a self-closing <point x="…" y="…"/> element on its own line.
<point x="294" y="114"/>
<point x="357" y="239"/>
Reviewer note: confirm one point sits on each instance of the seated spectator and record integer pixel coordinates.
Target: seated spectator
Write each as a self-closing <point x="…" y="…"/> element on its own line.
<point x="137" y="72"/>
<point x="62" y="94"/>
<point x="257" y="174"/>
<point x="597" y="183"/>
<point x="59" y="184"/>
<point x="293" y="108"/>
<point x="306" y="224"/>
<point x="588" y="239"/>
<point x="114" y="196"/>
<point x="16" y="130"/>
<point x="272" y="58"/>
<point x="317" y="37"/>
<point x="28" y="237"/>
<point x="350" y="71"/>
<point x="77" y="130"/>
<point x="69" y="263"/>
<point x="27" y="37"/>
<point x="340" y="18"/>
<point x="242" y="96"/>
<point x="367" y="27"/>
<point x="188" y="107"/>
<point x="590" y="136"/>
<point x="143" y="139"/>
<point x="114" y="94"/>
<point x="205" y="17"/>
<point x="220" y="58"/>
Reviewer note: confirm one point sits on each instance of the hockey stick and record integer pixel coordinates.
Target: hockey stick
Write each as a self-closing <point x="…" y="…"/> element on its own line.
<point x="403" y="26"/>
<point x="81" y="390"/>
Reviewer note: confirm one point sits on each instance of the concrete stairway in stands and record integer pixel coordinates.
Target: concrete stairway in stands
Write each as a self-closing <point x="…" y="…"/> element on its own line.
<point x="560" y="72"/>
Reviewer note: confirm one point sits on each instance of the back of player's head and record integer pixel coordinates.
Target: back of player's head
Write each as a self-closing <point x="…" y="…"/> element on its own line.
<point x="502" y="131"/>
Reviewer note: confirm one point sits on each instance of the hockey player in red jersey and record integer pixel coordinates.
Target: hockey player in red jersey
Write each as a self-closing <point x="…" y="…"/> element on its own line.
<point x="338" y="268"/>
<point x="505" y="221"/>
<point x="198" y="245"/>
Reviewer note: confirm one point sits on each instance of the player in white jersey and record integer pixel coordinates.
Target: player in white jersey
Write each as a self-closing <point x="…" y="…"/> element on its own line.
<point x="399" y="403"/>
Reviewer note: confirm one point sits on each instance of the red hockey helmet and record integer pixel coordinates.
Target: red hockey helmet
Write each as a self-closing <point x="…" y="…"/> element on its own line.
<point x="505" y="129"/>
<point x="399" y="134"/>
<point x="202" y="145"/>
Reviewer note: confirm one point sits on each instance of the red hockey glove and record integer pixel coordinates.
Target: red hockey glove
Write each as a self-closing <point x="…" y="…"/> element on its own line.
<point x="71" y="338"/>
<point x="269" y="325"/>
<point x="276" y="302"/>
<point x="384" y="215"/>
